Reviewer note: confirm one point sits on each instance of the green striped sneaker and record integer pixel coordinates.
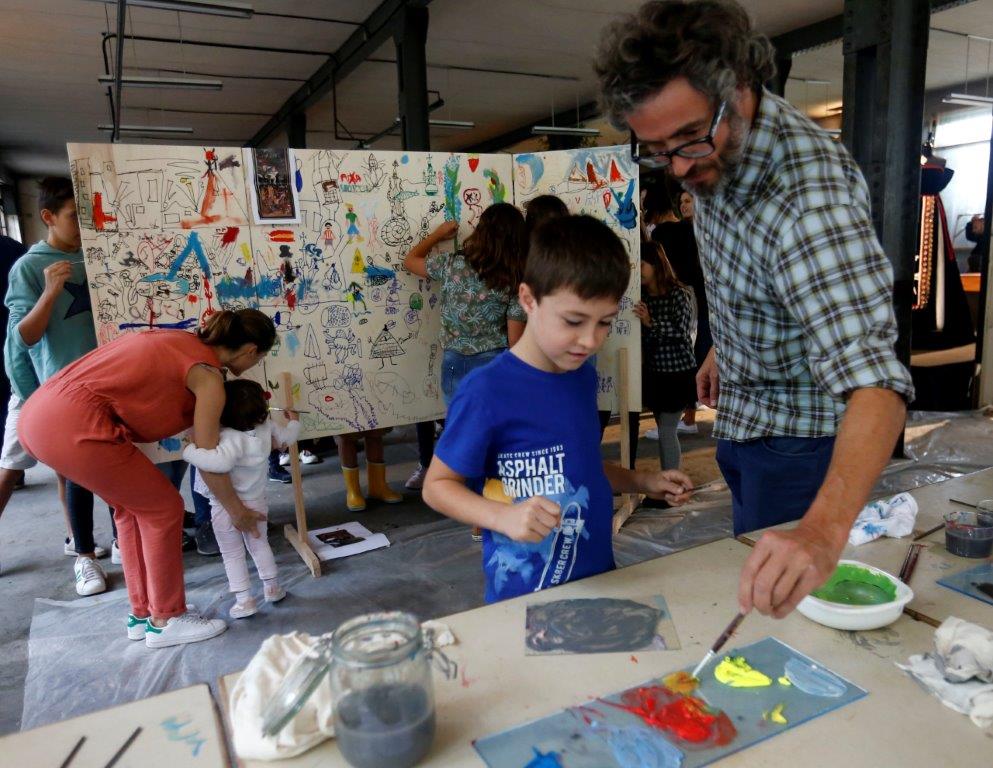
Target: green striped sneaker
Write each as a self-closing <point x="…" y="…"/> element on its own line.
<point x="137" y="627"/>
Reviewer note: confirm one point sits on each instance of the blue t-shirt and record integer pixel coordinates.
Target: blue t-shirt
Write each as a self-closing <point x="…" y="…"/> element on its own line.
<point x="539" y="433"/>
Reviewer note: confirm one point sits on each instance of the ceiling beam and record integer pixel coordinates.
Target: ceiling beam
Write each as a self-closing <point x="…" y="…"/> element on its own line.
<point x="565" y="118"/>
<point x="376" y="30"/>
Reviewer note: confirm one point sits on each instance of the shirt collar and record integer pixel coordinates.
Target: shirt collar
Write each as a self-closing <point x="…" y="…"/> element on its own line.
<point x="758" y="150"/>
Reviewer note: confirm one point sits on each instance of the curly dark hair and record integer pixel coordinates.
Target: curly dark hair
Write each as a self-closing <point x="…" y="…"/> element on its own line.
<point x="498" y="247"/>
<point x="709" y="42"/>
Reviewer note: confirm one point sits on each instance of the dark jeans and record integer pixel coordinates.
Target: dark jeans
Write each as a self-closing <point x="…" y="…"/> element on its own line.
<point x="80" y="504"/>
<point x="773" y="480"/>
<point x="201" y="504"/>
<point x="425" y="442"/>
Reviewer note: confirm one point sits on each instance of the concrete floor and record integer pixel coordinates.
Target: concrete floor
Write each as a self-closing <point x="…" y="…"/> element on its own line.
<point x="32" y="564"/>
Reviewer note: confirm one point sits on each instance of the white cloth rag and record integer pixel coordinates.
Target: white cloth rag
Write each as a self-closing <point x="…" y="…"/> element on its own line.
<point x="960" y="671"/>
<point x="894" y="518"/>
<point x="259" y="683"/>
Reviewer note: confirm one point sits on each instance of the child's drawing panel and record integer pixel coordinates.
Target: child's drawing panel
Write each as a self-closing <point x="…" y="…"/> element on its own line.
<point x="601" y="182"/>
<point x="358" y="333"/>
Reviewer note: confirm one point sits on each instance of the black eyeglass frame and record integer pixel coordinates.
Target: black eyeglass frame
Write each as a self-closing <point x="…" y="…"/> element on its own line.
<point x="663" y="158"/>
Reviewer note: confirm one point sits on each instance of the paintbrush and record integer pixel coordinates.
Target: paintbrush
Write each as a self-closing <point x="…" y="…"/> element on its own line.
<point x="273" y="408"/>
<point x="714" y="485"/>
<point x="963" y="503"/>
<point x="124" y="748"/>
<point x="725" y="636"/>
<point x="910" y="562"/>
<point x="929" y="531"/>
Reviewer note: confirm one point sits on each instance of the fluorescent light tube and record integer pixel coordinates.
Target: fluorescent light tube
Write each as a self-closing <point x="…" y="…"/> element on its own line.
<point x="185" y="83"/>
<point x="212" y="7"/>
<point x="170" y="129"/>
<point x="562" y="130"/>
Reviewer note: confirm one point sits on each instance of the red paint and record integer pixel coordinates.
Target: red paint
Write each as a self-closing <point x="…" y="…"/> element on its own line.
<point x="634" y="659"/>
<point x="328" y="399"/>
<point x="350" y="178"/>
<point x="615" y="173"/>
<point x="473" y="164"/>
<point x="607" y="197"/>
<point x="281" y="236"/>
<point x="687" y="718"/>
<point x="192" y="298"/>
<point x="229" y="236"/>
<point x="291" y="299"/>
<point x="100" y="219"/>
<point x="268" y="395"/>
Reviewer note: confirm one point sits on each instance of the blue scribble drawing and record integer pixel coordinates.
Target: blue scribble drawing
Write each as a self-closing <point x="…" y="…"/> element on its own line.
<point x="530" y="169"/>
<point x="544" y="760"/>
<point x="636" y="747"/>
<point x="626" y="214"/>
<point x="173" y="730"/>
<point x="181" y="325"/>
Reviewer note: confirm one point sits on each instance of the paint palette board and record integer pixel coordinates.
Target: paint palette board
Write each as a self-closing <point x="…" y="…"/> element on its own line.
<point x="651" y="725"/>
<point x="599" y="625"/>
<point x="975" y="582"/>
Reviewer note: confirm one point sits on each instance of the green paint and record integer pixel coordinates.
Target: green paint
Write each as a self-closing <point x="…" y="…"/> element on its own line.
<point x="496" y="188"/>
<point x="852" y="585"/>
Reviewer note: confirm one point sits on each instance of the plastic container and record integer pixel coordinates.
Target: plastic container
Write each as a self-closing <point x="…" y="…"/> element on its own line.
<point x="381" y="688"/>
<point x="839" y="615"/>
<point x="969" y="533"/>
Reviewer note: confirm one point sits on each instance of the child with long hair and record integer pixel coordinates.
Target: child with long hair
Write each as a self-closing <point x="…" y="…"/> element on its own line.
<point x="668" y="368"/>
<point x="246" y="439"/>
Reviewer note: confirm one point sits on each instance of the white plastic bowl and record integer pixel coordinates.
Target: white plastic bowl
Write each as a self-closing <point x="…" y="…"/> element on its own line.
<point x="857" y="616"/>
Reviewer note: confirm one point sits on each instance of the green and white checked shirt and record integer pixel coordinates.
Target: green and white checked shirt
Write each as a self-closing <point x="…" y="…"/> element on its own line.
<point x="799" y="288"/>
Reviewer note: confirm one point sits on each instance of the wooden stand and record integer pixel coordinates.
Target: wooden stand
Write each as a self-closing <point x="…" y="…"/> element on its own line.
<point x="298" y="536"/>
<point x="630" y="500"/>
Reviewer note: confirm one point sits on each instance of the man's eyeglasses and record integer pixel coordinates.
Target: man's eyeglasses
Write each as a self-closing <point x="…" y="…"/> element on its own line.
<point x="692" y="150"/>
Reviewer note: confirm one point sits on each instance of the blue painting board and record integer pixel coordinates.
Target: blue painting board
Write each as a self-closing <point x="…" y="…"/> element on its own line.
<point x="599" y="735"/>
<point x="966" y="581"/>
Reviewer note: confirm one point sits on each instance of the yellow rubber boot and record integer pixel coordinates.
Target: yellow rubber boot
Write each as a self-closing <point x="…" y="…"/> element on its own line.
<point x="353" y="489"/>
<point x="378" y="489"/>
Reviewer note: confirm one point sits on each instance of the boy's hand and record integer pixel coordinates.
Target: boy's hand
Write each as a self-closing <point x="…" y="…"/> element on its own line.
<point x="56" y="275"/>
<point x="531" y="520"/>
<point x="641" y="312"/>
<point x="672" y="485"/>
<point x="445" y="231"/>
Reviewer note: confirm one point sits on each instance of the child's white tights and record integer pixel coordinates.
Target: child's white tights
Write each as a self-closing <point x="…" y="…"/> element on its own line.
<point x="232" y="543"/>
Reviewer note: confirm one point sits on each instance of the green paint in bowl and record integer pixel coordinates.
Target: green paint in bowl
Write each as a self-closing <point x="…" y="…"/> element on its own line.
<point x="852" y="585"/>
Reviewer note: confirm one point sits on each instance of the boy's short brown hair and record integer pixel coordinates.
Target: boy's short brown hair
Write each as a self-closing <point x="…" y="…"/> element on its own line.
<point x="245" y="406"/>
<point x="53" y="193"/>
<point x="579" y="253"/>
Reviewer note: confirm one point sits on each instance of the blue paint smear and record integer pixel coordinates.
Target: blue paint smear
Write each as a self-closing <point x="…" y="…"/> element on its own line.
<point x="298" y="178"/>
<point x="292" y="343"/>
<point x="171" y="443"/>
<point x="194" y="247"/>
<point x="535" y="163"/>
<point x="544" y="759"/>
<point x="635" y="747"/>
<point x="404" y="159"/>
<point x="268" y="287"/>
<point x="814" y="680"/>
<point x="157" y="277"/>
<point x="182" y="325"/>
<point x="626" y="214"/>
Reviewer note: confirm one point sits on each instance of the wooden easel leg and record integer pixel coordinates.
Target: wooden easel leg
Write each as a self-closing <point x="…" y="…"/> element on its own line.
<point x="630" y="502"/>
<point x="298" y="536"/>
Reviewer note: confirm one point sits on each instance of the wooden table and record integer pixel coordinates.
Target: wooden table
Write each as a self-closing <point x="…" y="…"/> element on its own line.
<point x="500" y="687"/>
<point x="179" y="728"/>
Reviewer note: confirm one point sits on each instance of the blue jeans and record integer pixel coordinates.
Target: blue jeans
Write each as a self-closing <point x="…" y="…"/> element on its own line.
<point x="773" y="480"/>
<point x="456" y="366"/>
<point x="201" y="504"/>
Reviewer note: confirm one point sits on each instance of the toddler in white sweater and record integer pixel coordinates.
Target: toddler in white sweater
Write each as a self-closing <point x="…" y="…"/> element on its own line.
<point x="247" y="436"/>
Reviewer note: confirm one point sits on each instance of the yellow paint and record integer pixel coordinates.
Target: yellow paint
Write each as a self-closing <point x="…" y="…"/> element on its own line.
<point x="680" y="682"/>
<point x="246" y="253"/>
<point x="737" y="673"/>
<point x="775" y="715"/>
<point x="784" y="680"/>
<point x="358" y="265"/>
<point x="493" y="490"/>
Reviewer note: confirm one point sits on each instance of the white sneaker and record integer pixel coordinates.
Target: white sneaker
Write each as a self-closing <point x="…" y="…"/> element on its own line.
<point x="90" y="578"/>
<point x="307" y="457"/>
<point x="687" y="429"/>
<point x="652" y="434"/>
<point x="416" y="481"/>
<point x="243" y="610"/>
<point x="70" y="549"/>
<point x="274" y="593"/>
<point x="284" y="459"/>
<point x="188" y="628"/>
<point x="115" y="553"/>
<point x="136" y="627"/>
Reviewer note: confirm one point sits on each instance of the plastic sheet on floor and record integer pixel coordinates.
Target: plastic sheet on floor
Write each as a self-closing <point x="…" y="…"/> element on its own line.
<point x="79" y="658"/>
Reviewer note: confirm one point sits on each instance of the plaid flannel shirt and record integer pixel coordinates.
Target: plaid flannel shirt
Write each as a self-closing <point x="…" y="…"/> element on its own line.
<point x="799" y="288"/>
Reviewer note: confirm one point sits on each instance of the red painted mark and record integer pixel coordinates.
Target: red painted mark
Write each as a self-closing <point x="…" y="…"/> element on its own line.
<point x="615" y="173"/>
<point x="607" y="197"/>
<point x="100" y="218"/>
<point x="268" y="395"/>
<point x="192" y="298"/>
<point x="350" y="178"/>
<point x="464" y="678"/>
<point x="291" y="299"/>
<point x="473" y="164"/>
<point x="328" y="399"/>
<point x="281" y="236"/>
<point x="687" y="718"/>
<point x="229" y="236"/>
<point x="634" y="658"/>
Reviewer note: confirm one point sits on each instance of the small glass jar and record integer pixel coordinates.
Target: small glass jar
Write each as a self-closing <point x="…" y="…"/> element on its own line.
<point x="381" y="689"/>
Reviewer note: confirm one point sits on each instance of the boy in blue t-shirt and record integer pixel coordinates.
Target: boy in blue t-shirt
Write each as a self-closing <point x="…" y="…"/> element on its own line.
<point x="527" y="424"/>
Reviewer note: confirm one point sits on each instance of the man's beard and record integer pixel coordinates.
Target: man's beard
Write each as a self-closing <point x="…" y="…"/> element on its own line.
<point x="724" y="163"/>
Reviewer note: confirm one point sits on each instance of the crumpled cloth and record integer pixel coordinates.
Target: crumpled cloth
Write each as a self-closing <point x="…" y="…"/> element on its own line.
<point x="960" y="671"/>
<point x="894" y="518"/>
<point x="259" y="683"/>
